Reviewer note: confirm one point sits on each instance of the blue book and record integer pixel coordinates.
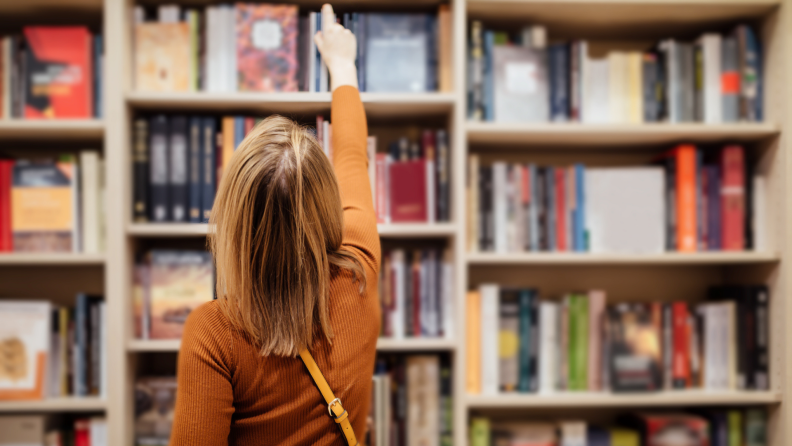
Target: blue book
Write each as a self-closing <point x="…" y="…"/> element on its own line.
<point x="559" y="82"/>
<point x="80" y="378"/>
<point x="580" y="210"/>
<point x="489" y="77"/>
<point x="398" y="52"/>
<point x="526" y="298"/>
<point x="209" y="166"/>
<point x="239" y="131"/>
<point x="98" y="81"/>
<point x="431" y="50"/>
<point x="360" y="62"/>
<point x="751" y="89"/>
<point x="596" y="436"/>
<point x="196" y="173"/>
<point x="550" y="209"/>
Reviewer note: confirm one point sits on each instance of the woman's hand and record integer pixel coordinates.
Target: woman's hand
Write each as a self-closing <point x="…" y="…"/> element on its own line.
<point x="338" y="48"/>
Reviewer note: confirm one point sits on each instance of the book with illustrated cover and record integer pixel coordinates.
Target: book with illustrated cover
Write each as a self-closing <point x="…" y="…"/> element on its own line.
<point x="43" y="205"/>
<point x="669" y="428"/>
<point x="399" y="52"/>
<point x="180" y="281"/>
<point x="58" y="72"/>
<point x="24" y="349"/>
<point x="155" y="402"/>
<point x="162" y="57"/>
<point x="266" y="46"/>
<point x="635" y="350"/>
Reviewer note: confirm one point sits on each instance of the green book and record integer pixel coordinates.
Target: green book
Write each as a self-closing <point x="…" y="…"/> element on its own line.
<point x="624" y="437"/>
<point x="526" y="298"/>
<point x="734" y="423"/>
<point x="755" y="427"/>
<point x="480" y="432"/>
<point x="578" y="342"/>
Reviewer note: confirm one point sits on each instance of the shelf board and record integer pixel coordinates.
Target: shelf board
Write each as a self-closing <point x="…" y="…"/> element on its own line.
<point x="670" y="258"/>
<point x="376" y="104"/>
<point x="414" y="344"/>
<point x="619" y="18"/>
<point x="405" y="230"/>
<point x="597" y="400"/>
<point x="66" y="259"/>
<point x="154" y="345"/>
<point x="51" y="129"/>
<point x="594" y="135"/>
<point x="87" y="404"/>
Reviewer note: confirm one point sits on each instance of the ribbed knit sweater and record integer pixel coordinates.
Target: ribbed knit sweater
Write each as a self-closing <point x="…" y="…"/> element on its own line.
<point x="229" y="394"/>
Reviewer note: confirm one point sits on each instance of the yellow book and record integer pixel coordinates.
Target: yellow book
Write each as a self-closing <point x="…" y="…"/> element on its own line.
<point x="444" y="48"/>
<point x="162" y="56"/>
<point x="624" y="437"/>
<point x="473" y="334"/>
<point x="228" y="142"/>
<point x="634" y="88"/>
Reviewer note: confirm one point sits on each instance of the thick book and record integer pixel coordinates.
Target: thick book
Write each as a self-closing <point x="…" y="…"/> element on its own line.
<point x="548" y="346"/>
<point x="490" y="361"/>
<point x="578" y="342"/>
<point x="520" y="84"/>
<point x="162" y="56"/>
<point x="398" y="52"/>
<point x="266" y="47"/>
<point x="179" y="168"/>
<point x="733" y="194"/>
<point x="180" y="282"/>
<point x="423" y="399"/>
<point x="25" y="344"/>
<point x="509" y="339"/>
<point x="58" y="72"/>
<point x="635" y="360"/>
<point x="685" y="157"/>
<point x="473" y="342"/>
<point x="655" y="428"/>
<point x="140" y="171"/>
<point x="44" y="212"/>
<point x="208" y="166"/>
<point x="730" y="80"/>
<point x="159" y="161"/>
<point x="680" y="346"/>
<point x="408" y="191"/>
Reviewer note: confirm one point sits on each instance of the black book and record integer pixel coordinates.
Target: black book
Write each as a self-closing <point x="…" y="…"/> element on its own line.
<point x="482" y="204"/>
<point x="533" y="358"/>
<point x="159" y="205"/>
<point x="489" y="214"/>
<point x="140" y="171"/>
<point x="179" y="169"/>
<point x="209" y="167"/>
<point x="443" y="177"/>
<point x="542" y="209"/>
<point x="196" y="177"/>
<point x="409" y="317"/>
<point x="761" y="360"/>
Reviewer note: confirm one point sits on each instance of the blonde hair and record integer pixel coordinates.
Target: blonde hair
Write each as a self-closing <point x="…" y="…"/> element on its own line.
<point x="278" y="224"/>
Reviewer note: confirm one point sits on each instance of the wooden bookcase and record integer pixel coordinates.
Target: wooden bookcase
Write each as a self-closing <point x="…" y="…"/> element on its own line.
<point x="619" y="23"/>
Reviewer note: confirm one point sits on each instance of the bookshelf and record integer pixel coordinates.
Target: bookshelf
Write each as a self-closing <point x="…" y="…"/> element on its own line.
<point x="613" y="20"/>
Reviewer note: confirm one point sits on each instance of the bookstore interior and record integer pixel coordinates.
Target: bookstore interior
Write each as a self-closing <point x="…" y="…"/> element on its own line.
<point x="580" y="203"/>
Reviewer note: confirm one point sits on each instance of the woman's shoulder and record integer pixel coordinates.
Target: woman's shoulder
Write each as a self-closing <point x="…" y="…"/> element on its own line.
<point x="207" y="323"/>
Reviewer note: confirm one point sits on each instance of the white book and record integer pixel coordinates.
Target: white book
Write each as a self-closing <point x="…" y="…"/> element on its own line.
<point x="499" y="207"/>
<point x="548" y="346"/>
<point x="709" y="315"/>
<point x="6" y="74"/>
<point x="231" y="49"/>
<point x="89" y="179"/>
<point x="423" y="400"/>
<point x="447" y="290"/>
<point x="596" y="89"/>
<point x="222" y="47"/>
<point x="474" y="213"/>
<point x="625" y="210"/>
<point x="583" y="63"/>
<point x="98" y="431"/>
<point x="617" y="88"/>
<point x="371" y="151"/>
<point x="399" y="293"/>
<point x="210" y="51"/>
<point x="514" y="218"/>
<point x="25" y="327"/>
<point x="573" y="433"/>
<point x="489" y="339"/>
<point x="102" y="206"/>
<point x="759" y="199"/>
<point x="711" y="55"/>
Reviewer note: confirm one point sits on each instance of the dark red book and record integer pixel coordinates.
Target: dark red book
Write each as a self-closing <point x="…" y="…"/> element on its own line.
<point x="408" y="200"/>
<point x="680" y="369"/>
<point x="249" y="124"/>
<point x="733" y="198"/>
<point x="6" y="239"/>
<point x="561" y="209"/>
<point x="59" y="72"/>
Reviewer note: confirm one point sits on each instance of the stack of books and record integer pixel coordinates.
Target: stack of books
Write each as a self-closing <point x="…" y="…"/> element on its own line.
<point x="520" y="78"/>
<point x="270" y="47"/>
<point x="519" y="343"/>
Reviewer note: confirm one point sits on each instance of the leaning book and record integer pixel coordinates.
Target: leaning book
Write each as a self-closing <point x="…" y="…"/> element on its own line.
<point x="24" y="348"/>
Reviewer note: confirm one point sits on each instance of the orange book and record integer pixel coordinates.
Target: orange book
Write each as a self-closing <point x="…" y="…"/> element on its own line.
<point x="228" y="141"/>
<point x="473" y="341"/>
<point x="687" y="238"/>
<point x="444" y="48"/>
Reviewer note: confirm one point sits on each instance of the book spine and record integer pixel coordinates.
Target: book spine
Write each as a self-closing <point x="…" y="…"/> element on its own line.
<point x="560" y="210"/>
<point x="473" y="337"/>
<point x="489" y="212"/>
<point x="381" y="195"/>
<point x="548" y="346"/>
<point x="179" y="169"/>
<point x="6" y="173"/>
<point x="551" y="206"/>
<point x="81" y="350"/>
<point x="596" y="307"/>
<point x="525" y="340"/>
<point x="489" y="339"/>
<point x="489" y="77"/>
<point x="744" y="337"/>
<point x="559" y="82"/>
<point x="533" y="357"/>
<point x="499" y="200"/>
<point x="574" y="81"/>
<point x="649" y="69"/>
<point x="733" y="198"/>
<point x="209" y="167"/>
<point x="730" y="80"/>
<point x="158" y="174"/>
<point x="761" y="360"/>
<point x="140" y="171"/>
<point x="443" y="177"/>
<point x="535" y="206"/>
<point x="686" y="163"/>
<point x="681" y="343"/>
<point x="508" y="340"/>
<point x="476" y="73"/>
<point x="196" y="180"/>
<point x="95" y="349"/>
<point x="417" y="294"/>
<point x="578" y="349"/>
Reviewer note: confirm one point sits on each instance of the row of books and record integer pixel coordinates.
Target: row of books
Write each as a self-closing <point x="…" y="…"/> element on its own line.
<point x="519" y="78"/>
<point x="39" y="430"/>
<point x="51" y="72"/>
<point x="270" y="47"/>
<point x="411" y="402"/>
<point x="689" y="201"/>
<point x="706" y="427"/>
<point x="167" y="285"/>
<point x="53" y="205"/>
<point x="517" y="342"/>
<point x="52" y="352"/>
<point x="416" y="293"/>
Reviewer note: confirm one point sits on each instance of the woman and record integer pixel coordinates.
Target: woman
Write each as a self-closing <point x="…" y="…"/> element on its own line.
<point x="297" y="256"/>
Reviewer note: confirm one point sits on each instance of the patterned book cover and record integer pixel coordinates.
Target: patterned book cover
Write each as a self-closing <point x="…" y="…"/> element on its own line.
<point x="266" y="47"/>
<point x="155" y="403"/>
<point x="162" y="57"/>
<point x="24" y="347"/>
<point x="180" y="281"/>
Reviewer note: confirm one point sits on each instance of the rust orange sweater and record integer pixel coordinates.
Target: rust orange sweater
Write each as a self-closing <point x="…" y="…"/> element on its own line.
<point x="229" y="394"/>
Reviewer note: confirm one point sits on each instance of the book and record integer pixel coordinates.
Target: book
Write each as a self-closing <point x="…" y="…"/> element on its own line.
<point x="573" y="433"/>
<point x="195" y="171"/>
<point x="635" y="357"/>
<point x="22" y="430"/>
<point x="140" y="170"/>
<point x="558" y="63"/>
<point x="162" y="56"/>
<point x="180" y="281"/>
<point x="654" y="428"/>
<point x="596" y="326"/>
<point x="548" y="342"/>
<point x="58" y="72"/>
<point x="730" y="80"/>
<point x="266" y="47"/>
<point x="479" y="431"/>
<point x="155" y="403"/>
<point x="489" y="341"/>
<point x="509" y="339"/>
<point x="520" y="85"/>
<point x="159" y="174"/>
<point x="423" y="380"/>
<point x="408" y="203"/>
<point x="578" y="342"/>
<point x="756" y="427"/>
<point x="209" y="167"/>
<point x="44" y="211"/>
<point x="399" y="51"/>
<point x="732" y="197"/>
<point x="179" y="169"/>
<point x="6" y="232"/>
<point x="473" y="340"/>
<point x="25" y="346"/>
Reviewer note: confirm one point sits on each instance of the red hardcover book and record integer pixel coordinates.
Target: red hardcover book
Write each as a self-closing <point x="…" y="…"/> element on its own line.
<point x="680" y="369"/>
<point x="687" y="228"/>
<point x="381" y="188"/>
<point x="407" y="181"/>
<point x="6" y="239"/>
<point x="561" y="208"/>
<point x="82" y="432"/>
<point x="59" y="72"/>
<point x="416" y="284"/>
<point x="733" y="198"/>
<point x="249" y="124"/>
<point x="266" y="44"/>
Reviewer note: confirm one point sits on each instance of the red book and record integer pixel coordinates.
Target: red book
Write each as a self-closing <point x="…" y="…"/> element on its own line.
<point x="733" y="198"/>
<point x="82" y="432"/>
<point x="561" y="208"/>
<point x="6" y="240"/>
<point x="687" y="228"/>
<point x="680" y="360"/>
<point x="59" y="72"/>
<point x="416" y="292"/>
<point x="381" y="188"/>
<point x="407" y="184"/>
<point x="249" y="124"/>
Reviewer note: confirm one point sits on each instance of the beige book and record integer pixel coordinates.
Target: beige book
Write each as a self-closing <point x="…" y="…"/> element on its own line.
<point x="162" y="56"/>
<point x="423" y="400"/>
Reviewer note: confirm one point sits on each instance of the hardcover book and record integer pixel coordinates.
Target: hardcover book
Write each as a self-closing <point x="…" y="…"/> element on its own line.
<point x="408" y="191"/>
<point x="266" y="45"/>
<point x="521" y="84"/>
<point x="155" y="402"/>
<point x="24" y="349"/>
<point x="162" y="57"/>
<point x="635" y="356"/>
<point x="399" y="52"/>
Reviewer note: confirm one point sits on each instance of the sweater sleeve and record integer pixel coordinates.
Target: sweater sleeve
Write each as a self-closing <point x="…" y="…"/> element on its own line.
<point x="205" y="397"/>
<point x="351" y="166"/>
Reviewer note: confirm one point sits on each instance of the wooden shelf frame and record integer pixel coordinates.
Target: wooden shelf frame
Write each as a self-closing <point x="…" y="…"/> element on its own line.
<point x="687" y="398"/>
<point x="383" y="345"/>
<point x="398" y="230"/>
<point x="54" y="405"/>
<point x="670" y="258"/>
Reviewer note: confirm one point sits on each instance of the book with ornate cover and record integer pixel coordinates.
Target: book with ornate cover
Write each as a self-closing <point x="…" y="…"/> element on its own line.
<point x="180" y="281"/>
<point x="162" y="57"/>
<point x="155" y="402"/>
<point x="24" y="348"/>
<point x="266" y="45"/>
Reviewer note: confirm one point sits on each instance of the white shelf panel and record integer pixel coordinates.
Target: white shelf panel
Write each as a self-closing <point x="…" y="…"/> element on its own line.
<point x="416" y="230"/>
<point x="594" y="135"/>
<point x="406" y="230"/>
<point x="88" y="404"/>
<point x="154" y="345"/>
<point x="414" y="344"/>
<point x="51" y="129"/>
<point x="596" y="399"/>
<point x="77" y="259"/>
<point x="672" y="258"/>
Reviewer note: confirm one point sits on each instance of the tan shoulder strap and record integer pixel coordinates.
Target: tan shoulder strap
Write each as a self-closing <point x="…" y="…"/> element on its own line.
<point x="334" y="407"/>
